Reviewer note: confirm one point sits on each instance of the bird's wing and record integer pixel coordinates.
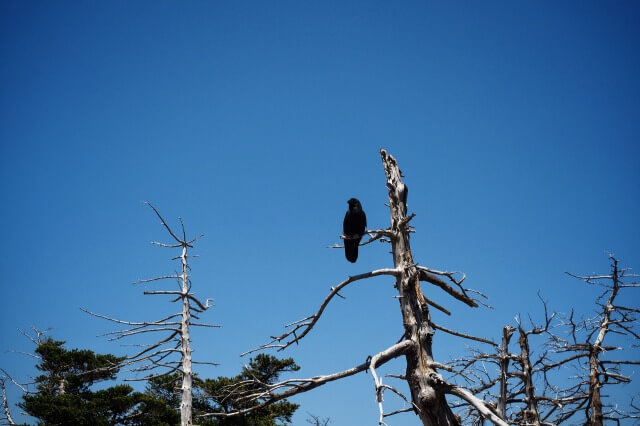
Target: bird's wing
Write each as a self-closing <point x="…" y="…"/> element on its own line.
<point x="345" y="223"/>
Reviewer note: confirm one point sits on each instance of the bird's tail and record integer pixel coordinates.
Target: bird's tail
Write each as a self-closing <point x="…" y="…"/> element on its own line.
<point x="351" y="250"/>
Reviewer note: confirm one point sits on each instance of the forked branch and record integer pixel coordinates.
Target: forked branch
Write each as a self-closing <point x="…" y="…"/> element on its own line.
<point x="271" y="393"/>
<point x="429" y="276"/>
<point x="302" y="327"/>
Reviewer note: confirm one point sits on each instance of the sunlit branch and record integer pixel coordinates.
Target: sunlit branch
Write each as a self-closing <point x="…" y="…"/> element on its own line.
<point x="307" y="323"/>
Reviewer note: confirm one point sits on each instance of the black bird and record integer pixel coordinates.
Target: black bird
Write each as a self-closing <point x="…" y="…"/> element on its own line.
<point x="355" y="222"/>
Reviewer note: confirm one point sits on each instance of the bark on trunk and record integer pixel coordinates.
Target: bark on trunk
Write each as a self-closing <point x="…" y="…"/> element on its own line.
<point x="595" y="419"/>
<point x="530" y="415"/>
<point x="595" y="415"/>
<point x="187" y="374"/>
<point x="507" y="332"/>
<point x="423" y="380"/>
<point x="5" y="404"/>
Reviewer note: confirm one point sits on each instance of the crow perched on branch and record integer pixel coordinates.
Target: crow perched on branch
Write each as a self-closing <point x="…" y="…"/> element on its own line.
<point x="353" y="227"/>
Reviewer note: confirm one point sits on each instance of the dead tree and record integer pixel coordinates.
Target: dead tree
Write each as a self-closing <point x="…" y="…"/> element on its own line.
<point x="6" y="418"/>
<point x="510" y="384"/>
<point x="504" y="359"/>
<point x="529" y="414"/>
<point x="538" y="390"/>
<point x="586" y="342"/>
<point x="171" y="352"/>
<point x="428" y="388"/>
<point x="317" y="420"/>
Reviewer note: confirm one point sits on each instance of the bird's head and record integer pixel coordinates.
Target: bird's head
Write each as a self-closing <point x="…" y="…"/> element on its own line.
<point x="354" y="204"/>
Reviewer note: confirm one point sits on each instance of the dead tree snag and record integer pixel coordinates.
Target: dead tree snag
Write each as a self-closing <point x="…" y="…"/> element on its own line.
<point x="428" y="388"/>
<point x="172" y="352"/>
<point x="424" y="381"/>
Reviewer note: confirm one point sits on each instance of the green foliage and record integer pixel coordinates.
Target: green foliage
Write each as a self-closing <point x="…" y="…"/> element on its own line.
<point x="222" y="394"/>
<point x="225" y="393"/>
<point x="64" y="393"/>
<point x="64" y="396"/>
<point x="153" y="411"/>
<point x="72" y="371"/>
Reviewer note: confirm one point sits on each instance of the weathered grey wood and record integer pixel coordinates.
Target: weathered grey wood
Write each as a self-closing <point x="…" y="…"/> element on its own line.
<point x="186" y="406"/>
<point x="162" y="354"/>
<point x="427" y="386"/>
<point x="531" y="416"/>
<point x="432" y="407"/>
<point x="507" y="332"/>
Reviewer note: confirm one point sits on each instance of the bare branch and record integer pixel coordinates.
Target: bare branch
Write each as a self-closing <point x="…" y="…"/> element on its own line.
<point x="460" y="295"/>
<point x="397" y="349"/>
<point x="164" y="223"/>
<point x="297" y="386"/>
<point x="480" y="405"/>
<point x="166" y="277"/>
<point x="438" y="307"/>
<point x="38" y="334"/>
<point x="20" y="386"/>
<point x="128" y="322"/>
<point x="5" y="404"/>
<point x="374" y="235"/>
<point x="306" y="324"/>
<point x="403" y="410"/>
<point x="466" y="336"/>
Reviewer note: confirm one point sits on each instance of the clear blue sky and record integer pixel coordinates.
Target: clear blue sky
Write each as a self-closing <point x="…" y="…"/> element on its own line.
<point x="516" y="124"/>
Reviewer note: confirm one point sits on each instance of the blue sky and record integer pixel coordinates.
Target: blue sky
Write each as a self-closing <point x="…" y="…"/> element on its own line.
<point x="516" y="126"/>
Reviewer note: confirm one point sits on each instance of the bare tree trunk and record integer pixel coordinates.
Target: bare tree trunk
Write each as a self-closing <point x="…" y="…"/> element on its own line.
<point x="5" y="404"/>
<point x="595" y="418"/>
<point x="530" y="414"/>
<point x="163" y="354"/>
<point x="507" y="332"/>
<point x="595" y="401"/>
<point x="187" y="373"/>
<point x="422" y="378"/>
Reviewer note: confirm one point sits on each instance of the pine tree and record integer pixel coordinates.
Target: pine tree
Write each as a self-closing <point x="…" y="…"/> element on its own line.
<point x="226" y="394"/>
<point x="64" y="395"/>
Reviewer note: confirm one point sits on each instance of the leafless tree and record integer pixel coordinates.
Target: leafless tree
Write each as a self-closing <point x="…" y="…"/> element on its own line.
<point x="506" y="380"/>
<point x="428" y="387"/>
<point x="586" y="342"/>
<point x="317" y="420"/>
<point x="540" y="388"/>
<point x="172" y="351"/>
<point x="5" y="417"/>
